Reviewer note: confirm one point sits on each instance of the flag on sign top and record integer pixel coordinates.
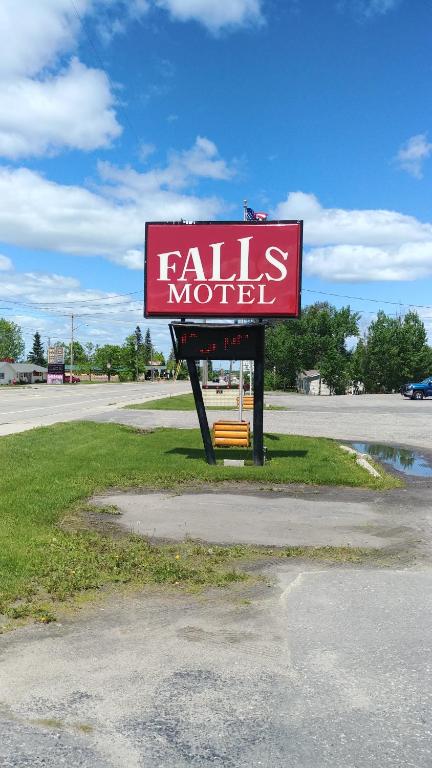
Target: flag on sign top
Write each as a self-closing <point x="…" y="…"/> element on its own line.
<point x="252" y="215"/>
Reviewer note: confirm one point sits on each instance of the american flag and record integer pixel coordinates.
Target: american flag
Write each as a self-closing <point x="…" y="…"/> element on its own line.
<point x="252" y="215"/>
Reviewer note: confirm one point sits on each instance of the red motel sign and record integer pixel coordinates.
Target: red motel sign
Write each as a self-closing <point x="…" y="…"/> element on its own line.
<point x="223" y="269"/>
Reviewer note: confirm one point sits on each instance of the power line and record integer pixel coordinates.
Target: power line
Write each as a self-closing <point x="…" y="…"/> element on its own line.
<point x="102" y="66"/>
<point x="365" y="298"/>
<point x="65" y="304"/>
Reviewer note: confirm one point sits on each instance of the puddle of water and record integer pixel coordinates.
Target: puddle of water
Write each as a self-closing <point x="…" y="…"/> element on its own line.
<point x="404" y="460"/>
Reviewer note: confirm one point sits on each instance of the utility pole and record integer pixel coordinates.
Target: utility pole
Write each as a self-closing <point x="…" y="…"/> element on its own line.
<point x="71" y="350"/>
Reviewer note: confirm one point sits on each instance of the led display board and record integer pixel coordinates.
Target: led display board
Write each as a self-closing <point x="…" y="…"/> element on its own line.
<point x="217" y="342"/>
<point x="223" y="269"/>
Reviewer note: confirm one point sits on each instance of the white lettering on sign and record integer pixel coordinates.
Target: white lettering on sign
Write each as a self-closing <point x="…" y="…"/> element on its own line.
<point x="165" y="266"/>
<point x="203" y="293"/>
<point x="216" y="261"/>
<point x="275" y="263"/>
<point x="175" y="267"/>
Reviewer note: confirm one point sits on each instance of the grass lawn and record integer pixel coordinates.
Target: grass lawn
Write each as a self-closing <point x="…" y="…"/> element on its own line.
<point x="185" y="403"/>
<point x="48" y="552"/>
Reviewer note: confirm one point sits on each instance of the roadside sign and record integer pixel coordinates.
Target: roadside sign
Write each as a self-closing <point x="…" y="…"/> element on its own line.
<point x="55" y="378"/>
<point x="223" y="269"/>
<point x="56" y="355"/>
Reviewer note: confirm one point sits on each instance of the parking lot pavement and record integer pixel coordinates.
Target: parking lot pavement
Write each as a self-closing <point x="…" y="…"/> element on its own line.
<point x="328" y="668"/>
<point x="23" y="408"/>
<point x="309" y="666"/>
<point x="370" y="418"/>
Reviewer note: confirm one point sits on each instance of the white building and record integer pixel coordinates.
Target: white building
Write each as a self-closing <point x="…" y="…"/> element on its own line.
<point x="311" y="383"/>
<point x="22" y="373"/>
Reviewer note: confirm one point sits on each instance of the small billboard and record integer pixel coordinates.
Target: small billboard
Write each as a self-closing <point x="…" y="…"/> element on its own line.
<point x="56" y="355"/>
<point x="223" y="269"/>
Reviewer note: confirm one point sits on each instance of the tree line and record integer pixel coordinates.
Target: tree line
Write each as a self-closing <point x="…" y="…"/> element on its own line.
<point x="394" y="350"/>
<point x="127" y="360"/>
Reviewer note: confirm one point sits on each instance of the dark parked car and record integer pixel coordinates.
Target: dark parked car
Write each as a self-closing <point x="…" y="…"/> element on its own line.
<point x="66" y="379"/>
<point x="417" y="391"/>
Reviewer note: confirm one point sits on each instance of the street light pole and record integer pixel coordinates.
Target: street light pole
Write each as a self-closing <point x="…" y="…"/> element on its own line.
<point x="71" y="350"/>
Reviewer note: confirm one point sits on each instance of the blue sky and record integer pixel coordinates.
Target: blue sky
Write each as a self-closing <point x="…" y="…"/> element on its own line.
<point x="118" y="111"/>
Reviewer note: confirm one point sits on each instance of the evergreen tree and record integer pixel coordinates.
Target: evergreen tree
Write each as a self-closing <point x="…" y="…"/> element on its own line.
<point x="37" y="355"/>
<point x="148" y="346"/>
<point x="138" y="338"/>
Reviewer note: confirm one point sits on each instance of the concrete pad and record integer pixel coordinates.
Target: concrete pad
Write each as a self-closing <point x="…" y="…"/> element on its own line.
<point x="270" y="520"/>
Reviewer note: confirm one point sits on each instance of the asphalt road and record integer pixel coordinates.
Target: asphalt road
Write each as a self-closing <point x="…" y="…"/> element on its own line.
<point x="23" y="408"/>
<point x="313" y="667"/>
<point x="374" y="418"/>
<point x="328" y="668"/>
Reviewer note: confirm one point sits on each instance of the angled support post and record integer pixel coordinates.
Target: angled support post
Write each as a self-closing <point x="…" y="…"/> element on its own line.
<point x="201" y="411"/>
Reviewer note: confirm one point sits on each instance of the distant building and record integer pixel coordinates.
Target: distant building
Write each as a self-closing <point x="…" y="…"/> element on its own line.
<point x="311" y="383"/>
<point x="22" y="373"/>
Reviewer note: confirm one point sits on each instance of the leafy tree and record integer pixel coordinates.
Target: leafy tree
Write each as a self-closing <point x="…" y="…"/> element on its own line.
<point x="11" y="340"/>
<point x="396" y="351"/>
<point x="317" y="339"/>
<point x="334" y="369"/>
<point x="108" y="359"/>
<point x="357" y="362"/>
<point x="37" y="355"/>
<point x="130" y="360"/>
<point x="79" y="354"/>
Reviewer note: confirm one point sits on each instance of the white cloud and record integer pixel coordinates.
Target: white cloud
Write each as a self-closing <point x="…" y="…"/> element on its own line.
<point x="412" y="155"/>
<point x="33" y="34"/>
<point x="182" y="171"/>
<point x="357" y="263"/>
<point x="215" y="15"/>
<point x="46" y="106"/>
<point x="40" y="301"/>
<point x="378" y="7"/>
<point x="324" y="226"/>
<point x="72" y="110"/>
<point x="110" y="221"/>
<point x="5" y="263"/>
<point x="50" y="101"/>
<point x="368" y="9"/>
<point x="145" y="151"/>
<point x="360" y="245"/>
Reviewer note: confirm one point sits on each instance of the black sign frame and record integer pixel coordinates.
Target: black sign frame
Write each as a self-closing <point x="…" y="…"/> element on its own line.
<point x="204" y="333"/>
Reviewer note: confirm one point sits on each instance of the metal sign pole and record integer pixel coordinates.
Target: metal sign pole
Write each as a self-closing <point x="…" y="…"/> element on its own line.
<point x="258" y="412"/>
<point x="241" y="391"/>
